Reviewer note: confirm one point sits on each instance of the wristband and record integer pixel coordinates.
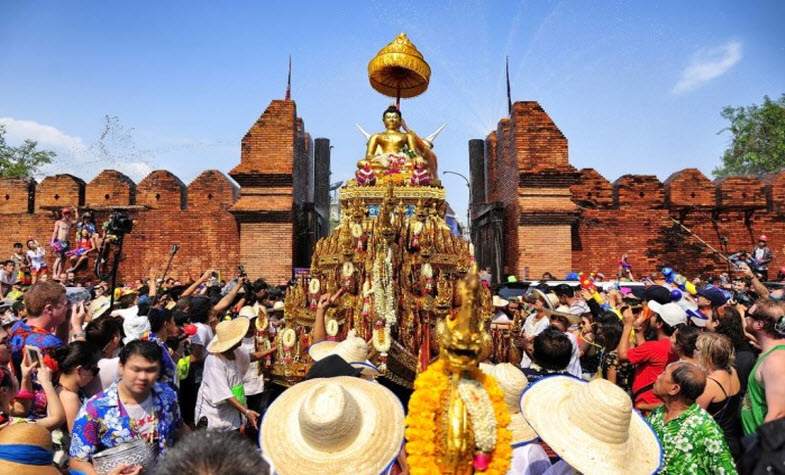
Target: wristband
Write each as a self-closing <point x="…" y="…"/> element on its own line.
<point x="24" y="395"/>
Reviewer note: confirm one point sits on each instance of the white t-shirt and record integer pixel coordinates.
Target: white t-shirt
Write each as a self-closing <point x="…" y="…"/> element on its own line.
<point x="203" y="336"/>
<point x="529" y="459"/>
<point x="253" y="381"/>
<point x="219" y="377"/>
<point x="109" y="371"/>
<point x="574" y="368"/>
<point x="531" y="328"/>
<point x="36" y="259"/>
<point x="143" y="421"/>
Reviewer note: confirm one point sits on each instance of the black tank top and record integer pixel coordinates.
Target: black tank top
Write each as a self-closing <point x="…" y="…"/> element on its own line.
<point x="726" y="414"/>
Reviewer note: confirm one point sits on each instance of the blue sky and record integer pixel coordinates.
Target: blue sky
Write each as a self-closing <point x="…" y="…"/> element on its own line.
<point x="637" y="87"/>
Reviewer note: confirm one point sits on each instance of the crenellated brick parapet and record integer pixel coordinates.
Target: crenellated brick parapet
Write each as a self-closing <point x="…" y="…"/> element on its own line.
<point x="558" y="219"/>
<point x="268" y="223"/>
<point x="165" y="212"/>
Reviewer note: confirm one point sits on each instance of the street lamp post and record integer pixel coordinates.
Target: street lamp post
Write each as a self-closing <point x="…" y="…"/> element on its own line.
<point x="469" y="209"/>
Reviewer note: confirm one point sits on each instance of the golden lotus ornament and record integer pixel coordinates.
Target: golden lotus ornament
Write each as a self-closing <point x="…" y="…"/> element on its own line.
<point x="399" y="69"/>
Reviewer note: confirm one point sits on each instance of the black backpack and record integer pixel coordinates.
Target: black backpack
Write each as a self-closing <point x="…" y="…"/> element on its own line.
<point x="765" y="451"/>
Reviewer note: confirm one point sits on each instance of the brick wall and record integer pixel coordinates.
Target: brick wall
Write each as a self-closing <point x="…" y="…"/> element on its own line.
<point x="559" y="219"/>
<point x="207" y="234"/>
<point x="215" y="222"/>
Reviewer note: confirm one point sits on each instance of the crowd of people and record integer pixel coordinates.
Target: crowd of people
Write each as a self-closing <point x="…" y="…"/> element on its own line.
<point x="669" y="375"/>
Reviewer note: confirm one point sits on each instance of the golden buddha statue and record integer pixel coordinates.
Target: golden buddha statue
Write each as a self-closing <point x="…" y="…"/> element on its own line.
<point x="397" y="152"/>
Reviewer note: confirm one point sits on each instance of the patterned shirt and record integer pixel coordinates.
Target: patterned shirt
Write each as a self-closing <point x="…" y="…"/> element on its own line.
<point x="693" y="443"/>
<point x="23" y="335"/>
<point x="103" y="422"/>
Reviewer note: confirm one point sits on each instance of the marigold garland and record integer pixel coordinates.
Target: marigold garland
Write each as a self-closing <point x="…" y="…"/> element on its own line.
<point x="421" y="422"/>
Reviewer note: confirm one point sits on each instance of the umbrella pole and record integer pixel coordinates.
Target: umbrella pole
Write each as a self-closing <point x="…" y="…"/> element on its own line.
<point x="398" y="99"/>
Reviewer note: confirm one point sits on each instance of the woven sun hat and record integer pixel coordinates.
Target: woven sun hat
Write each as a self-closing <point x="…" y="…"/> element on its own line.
<point x="592" y="426"/>
<point x="353" y="350"/>
<point x="499" y="302"/>
<point x="512" y="382"/>
<point x="98" y="306"/>
<point x="26" y="449"/>
<point x="320" y="350"/>
<point x="247" y="312"/>
<point x="340" y="425"/>
<point x="227" y="334"/>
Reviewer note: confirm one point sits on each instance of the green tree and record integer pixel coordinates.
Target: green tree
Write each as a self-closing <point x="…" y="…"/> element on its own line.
<point x="22" y="161"/>
<point x="758" y="145"/>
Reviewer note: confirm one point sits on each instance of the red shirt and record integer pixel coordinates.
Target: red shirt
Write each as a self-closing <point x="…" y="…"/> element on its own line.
<point x="650" y="360"/>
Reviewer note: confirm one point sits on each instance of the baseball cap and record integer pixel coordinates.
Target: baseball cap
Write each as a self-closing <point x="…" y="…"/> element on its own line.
<point x="714" y="295"/>
<point x="657" y="293"/>
<point x="671" y="313"/>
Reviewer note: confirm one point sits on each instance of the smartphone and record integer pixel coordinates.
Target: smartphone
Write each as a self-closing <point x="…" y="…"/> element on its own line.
<point x="77" y="294"/>
<point x="33" y="354"/>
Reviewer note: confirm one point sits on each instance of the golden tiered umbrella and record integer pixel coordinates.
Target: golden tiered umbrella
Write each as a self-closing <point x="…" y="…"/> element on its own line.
<point x="399" y="70"/>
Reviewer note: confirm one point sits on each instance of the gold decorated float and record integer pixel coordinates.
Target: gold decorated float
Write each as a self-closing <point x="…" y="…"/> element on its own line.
<point x="392" y="252"/>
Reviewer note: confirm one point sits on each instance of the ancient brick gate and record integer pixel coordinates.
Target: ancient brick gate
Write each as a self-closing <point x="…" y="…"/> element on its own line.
<point x="533" y="212"/>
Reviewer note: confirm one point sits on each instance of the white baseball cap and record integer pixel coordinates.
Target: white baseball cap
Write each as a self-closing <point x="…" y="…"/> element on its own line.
<point x="671" y="313"/>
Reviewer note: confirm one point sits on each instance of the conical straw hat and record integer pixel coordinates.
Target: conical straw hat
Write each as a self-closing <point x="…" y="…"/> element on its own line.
<point x="341" y="425"/>
<point x="592" y="426"/>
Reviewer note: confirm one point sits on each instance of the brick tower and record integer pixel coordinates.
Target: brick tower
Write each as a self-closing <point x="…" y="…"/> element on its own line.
<point x="522" y="212"/>
<point x="276" y="213"/>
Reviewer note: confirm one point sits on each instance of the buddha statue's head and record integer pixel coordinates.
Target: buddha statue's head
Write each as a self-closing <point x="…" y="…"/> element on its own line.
<point x="392" y="118"/>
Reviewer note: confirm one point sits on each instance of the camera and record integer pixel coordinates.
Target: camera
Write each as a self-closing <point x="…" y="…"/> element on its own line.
<point x="119" y="223"/>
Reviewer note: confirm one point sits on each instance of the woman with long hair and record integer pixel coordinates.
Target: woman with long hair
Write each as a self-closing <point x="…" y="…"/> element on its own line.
<point x="722" y="396"/>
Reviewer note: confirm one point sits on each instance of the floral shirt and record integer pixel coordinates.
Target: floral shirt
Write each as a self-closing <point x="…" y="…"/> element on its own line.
<point x="693" y="443"/>
<point x="103" y="422"/>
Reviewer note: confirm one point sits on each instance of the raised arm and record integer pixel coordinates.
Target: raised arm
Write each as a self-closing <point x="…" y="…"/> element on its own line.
<point x="192" y="288"/>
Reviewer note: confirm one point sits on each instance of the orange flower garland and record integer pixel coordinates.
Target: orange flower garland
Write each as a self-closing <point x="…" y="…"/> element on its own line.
<point x="429" y="387"/>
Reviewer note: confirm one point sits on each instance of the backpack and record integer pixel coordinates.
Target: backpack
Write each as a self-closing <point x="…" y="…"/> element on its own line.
<point x="765" y="450"/>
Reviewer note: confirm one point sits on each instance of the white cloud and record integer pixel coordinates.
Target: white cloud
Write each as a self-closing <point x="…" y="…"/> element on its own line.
<point x="708" y="64"/>
<point x="74" y="156"/>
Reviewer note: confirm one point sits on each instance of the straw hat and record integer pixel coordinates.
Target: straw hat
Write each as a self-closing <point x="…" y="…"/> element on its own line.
<point x="340" y="425"/>
<point x="353" y="350"/>
<point x="227" y="334"/>
<point x="512" y="382"/>
<point x="33" y="435"/>
<point x="499" y="302"/>
<point x="99" y="306"/>
<point x="248" y="312"/>
<point x="592" y="426"/>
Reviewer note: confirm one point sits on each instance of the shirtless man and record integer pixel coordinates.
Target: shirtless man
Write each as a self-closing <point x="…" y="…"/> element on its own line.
<point x="59" y="239"/>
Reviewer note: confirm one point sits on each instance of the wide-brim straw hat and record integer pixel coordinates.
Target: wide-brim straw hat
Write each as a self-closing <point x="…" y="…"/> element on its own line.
<point x="227" y="334"/>
<point x="500" y="302"/>
<point x="247" y="312"/>
<point x="99" y="306"/>
<point x="341" y="425"/>
<point x="512" y="382"/>
<point x="353" y="350"/>
<point x="27" y="434"/>
<point x="592" y="426"/>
